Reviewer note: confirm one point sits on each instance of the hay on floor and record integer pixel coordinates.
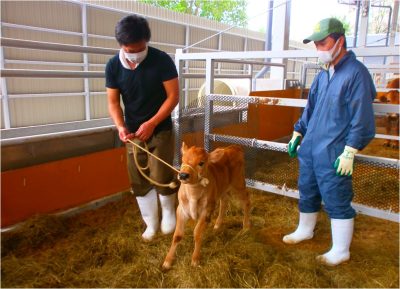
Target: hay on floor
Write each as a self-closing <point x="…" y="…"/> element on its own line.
<point x="103" y="248"/>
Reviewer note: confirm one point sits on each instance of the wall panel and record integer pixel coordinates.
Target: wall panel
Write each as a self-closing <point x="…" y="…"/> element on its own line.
<point x="44" y="110"/>
<point x="61" y="22"/>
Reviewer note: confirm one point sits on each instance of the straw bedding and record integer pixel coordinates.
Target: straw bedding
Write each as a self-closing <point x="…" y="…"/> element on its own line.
<point x="103" y="248"/>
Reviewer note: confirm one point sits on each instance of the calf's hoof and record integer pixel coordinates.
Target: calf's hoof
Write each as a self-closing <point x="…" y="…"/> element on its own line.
<point x="195" y="263"/>
<point x="217" y="226"/>
<point x="166" y="266"/>
<point x="247" y="225"/>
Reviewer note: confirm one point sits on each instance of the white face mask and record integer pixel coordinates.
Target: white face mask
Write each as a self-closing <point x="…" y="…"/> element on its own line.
<point x="136" y="57"/>
<point x="326" y="57"/>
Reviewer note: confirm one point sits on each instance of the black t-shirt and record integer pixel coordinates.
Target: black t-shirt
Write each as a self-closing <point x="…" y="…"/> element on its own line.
<point x="142" y="89"/>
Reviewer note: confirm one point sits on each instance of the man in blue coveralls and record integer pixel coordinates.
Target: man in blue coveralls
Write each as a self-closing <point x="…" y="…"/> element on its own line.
<point x="337" y="122"/>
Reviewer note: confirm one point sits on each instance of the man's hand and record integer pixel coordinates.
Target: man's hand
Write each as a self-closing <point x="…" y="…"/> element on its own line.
<point x="344" y="164"/>
<point x="145" y="131"/>
<point x="293" y="144"/>
<point x="124" y="134"/>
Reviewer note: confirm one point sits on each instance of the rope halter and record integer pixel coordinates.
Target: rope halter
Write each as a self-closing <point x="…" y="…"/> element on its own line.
<point x="202" y="180"/>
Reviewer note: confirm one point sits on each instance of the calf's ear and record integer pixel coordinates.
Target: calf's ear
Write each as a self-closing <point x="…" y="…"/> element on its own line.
<point x="184" y="148"/>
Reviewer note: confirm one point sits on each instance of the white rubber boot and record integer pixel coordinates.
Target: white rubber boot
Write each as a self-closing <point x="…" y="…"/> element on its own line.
<point x="305" y="229"/>
<point x="149" y="209"/>
<point x="168" y="209"/>
<point x="342" y="233"/>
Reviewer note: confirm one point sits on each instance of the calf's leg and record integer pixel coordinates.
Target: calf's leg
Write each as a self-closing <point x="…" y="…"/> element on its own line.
<point x="178" y="235"/>
<point x="198" y="237"/>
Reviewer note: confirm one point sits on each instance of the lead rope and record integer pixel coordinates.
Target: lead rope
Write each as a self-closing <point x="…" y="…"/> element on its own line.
<point x="171" y="185"/>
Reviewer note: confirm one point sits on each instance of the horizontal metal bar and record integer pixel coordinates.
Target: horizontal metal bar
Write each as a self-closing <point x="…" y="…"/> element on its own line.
<point x="386" y="136"/>
<point x="386" y="108"/>
<point x="279" y="190"/>
<point x="233" y="76"/>
<point x="51" y="73"/>
<point x="19" y="43"/>
<point x="360" y="52"/>
<point x="378" y="160"/>
<point x="309" y="65"/>
<point x="193" y="75"/>
<point x="384" y="89"/>
<point x="42" y="137"/>
<point x="377" y="213"/>
<point x="384" y="69"/>
<point x="219" y="69"/>
<point x="283" y="191"/>
<point x="98" y="92"/>
<point x="382" y="66"/>
<point x="37" y="95"/>
<point x="204" y="49"/>
<point x="30" y="62"/>
<point x="250" y="62"/>
<point x="29" y="131"/>
<point x="97" y="64"/>
<point x="271" y="145"/>
<point x="250" y="142"/>
<point x="55" y="94"/>
<point x="191" y="89"/>
<point x="294" y="102"/>
<point x="35" y="28"/>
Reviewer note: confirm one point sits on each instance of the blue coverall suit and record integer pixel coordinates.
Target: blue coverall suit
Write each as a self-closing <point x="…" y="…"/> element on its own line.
<point x="338" y="112"/>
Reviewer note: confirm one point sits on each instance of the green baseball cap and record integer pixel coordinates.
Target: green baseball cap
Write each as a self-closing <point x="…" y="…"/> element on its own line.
<point x="324" y="28"/>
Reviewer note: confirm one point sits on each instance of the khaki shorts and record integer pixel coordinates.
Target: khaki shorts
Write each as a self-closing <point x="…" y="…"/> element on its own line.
<point x="162" y="145"/>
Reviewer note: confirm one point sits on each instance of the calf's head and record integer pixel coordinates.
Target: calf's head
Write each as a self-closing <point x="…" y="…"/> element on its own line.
<point x="194" y="165"/>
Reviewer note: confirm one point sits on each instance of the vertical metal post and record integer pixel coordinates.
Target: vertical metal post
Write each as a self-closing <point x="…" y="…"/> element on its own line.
<point x="209" y="76"/>
<point x="180" y="66"/>
<point x="85" y="60"/>
<point x="251" y="80"/>
<point x="395" y="17"/>
<point x="219" y="49"/>
<point x="392" y="34"/>
<point x="356" y="24"/>
<point x="267" y="45"/>
<point x="208" y="104"/>
<point x="280" y="36"/>
<point x="363" y="31"/>
<point x="178" y="109"/>
<point x="245" y="49"/>
<point x="208" y="111"/>
<point x="4" y="92"/>
<point x="186" y="67"/>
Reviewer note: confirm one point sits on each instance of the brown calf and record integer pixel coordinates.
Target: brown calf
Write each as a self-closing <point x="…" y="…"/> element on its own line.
<point x="207" y="179"/>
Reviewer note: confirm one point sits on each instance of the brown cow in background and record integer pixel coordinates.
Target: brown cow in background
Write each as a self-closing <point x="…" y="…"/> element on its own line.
<point x="391" y="119"/>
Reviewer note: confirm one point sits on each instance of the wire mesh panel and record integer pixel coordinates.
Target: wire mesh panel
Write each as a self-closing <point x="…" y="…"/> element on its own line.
<point x="230" y="120"/>
<point x="376" y="184"/>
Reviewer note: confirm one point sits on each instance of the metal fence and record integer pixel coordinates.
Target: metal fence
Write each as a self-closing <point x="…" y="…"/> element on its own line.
<point x="225" y="119"/>
<point x="268" y="166"/>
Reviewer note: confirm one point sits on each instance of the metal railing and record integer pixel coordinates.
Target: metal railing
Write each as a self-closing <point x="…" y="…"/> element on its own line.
<point x="370" y="171"/>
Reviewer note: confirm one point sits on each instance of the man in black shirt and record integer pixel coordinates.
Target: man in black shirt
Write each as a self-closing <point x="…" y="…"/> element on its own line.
<point x="146" y="78"/>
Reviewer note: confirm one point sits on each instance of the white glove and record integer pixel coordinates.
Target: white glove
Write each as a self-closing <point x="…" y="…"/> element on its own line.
<point x="345" y="162"/>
